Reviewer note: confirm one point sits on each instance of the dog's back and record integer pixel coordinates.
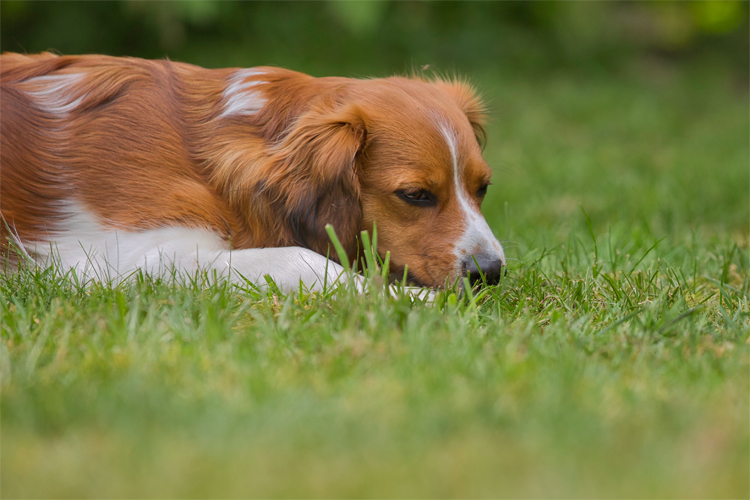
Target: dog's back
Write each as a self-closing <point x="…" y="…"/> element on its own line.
<point x="104" y="133"/>
<point x="26" y="198"/>
<point x="16" y="67"/>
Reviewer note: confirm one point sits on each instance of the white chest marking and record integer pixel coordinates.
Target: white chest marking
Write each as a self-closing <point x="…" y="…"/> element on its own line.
<point x="239" y="98"/>
<point x="84" y="243"/>
<point x="100" y="252"/>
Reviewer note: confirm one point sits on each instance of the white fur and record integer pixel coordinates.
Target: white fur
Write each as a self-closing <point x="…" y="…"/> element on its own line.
<point x="54" y="94"/>
<point x="238" y="98"/>
<point x="477" y="236"/>
<point x="101" y="252"/>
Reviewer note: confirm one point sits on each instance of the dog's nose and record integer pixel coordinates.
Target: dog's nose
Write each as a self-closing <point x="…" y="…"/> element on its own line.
<point x="490" y="266"/>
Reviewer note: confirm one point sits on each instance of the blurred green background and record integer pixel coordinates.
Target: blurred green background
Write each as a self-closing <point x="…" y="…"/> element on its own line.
<point x="378" y="38"/>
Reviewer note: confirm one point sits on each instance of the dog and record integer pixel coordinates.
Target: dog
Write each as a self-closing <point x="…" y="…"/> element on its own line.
<point x="110" y="165"/>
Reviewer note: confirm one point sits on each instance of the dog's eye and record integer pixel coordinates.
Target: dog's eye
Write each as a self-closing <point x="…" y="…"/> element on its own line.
<point x="418" y="197"/>
<point x="482" y="191"/>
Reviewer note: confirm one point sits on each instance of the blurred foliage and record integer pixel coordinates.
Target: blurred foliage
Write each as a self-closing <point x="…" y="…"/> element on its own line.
<point x="370" y="37"/>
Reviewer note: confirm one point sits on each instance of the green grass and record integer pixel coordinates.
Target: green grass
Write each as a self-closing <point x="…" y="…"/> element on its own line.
<point x="612" y="361"/>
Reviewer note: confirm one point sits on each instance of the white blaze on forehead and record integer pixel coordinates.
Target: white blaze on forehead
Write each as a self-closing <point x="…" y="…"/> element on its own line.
<point x="239" y="98"/>
<point x="54" y="94"/>
<point x="477" y="237"/>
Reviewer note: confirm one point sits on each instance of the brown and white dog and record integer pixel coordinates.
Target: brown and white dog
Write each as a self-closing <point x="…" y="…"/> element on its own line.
<point x="109" y="165"/>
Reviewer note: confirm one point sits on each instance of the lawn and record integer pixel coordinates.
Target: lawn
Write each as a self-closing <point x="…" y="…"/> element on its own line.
<point x="612" y="360"/>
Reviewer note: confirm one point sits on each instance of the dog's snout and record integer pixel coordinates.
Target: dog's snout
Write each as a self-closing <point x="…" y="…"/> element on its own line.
<point x="489" y="266"/>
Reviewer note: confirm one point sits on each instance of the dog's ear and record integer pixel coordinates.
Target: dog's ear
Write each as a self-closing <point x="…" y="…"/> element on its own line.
<point x="315" y="180"/>
<point x="469" y="102"/>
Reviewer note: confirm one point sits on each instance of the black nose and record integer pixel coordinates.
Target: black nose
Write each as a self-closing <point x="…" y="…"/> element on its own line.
<point x="490" y="267"/>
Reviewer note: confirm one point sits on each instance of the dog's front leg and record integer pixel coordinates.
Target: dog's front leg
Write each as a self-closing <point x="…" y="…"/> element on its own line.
<point x="287" y="266"/>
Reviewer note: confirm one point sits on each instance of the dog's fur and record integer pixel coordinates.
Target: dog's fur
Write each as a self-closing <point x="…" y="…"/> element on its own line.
<point x="115" y="164"/>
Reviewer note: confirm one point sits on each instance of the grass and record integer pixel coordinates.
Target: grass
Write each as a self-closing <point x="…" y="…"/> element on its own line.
<point x="613" y="360"/>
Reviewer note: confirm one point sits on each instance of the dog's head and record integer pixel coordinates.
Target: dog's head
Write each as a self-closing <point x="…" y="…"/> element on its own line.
<point x="402" y="154"/>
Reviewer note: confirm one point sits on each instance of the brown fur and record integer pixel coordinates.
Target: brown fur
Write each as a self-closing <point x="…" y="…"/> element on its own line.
<point x="146" y="147"/>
